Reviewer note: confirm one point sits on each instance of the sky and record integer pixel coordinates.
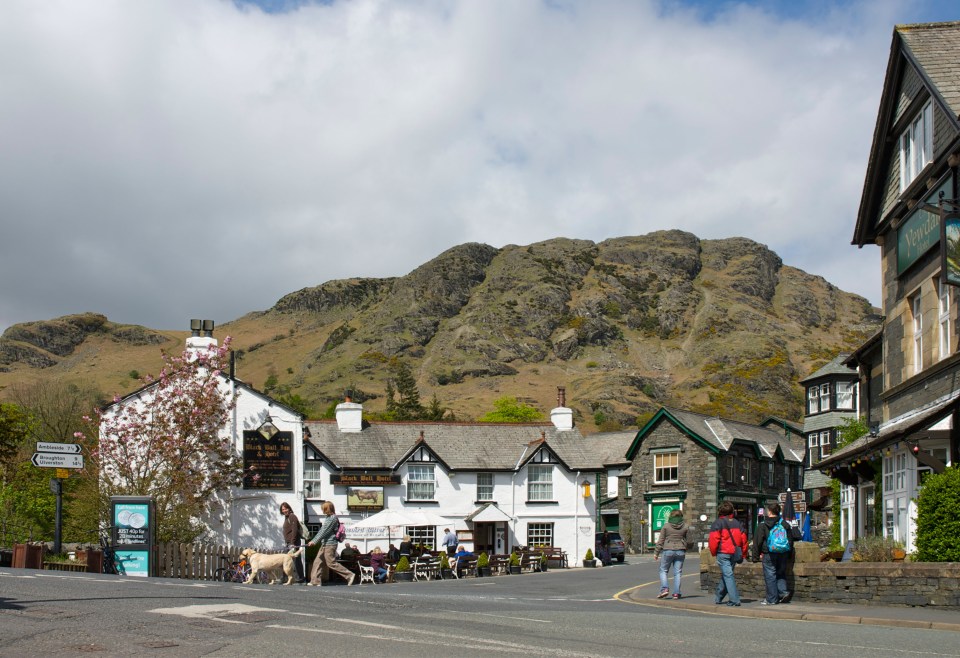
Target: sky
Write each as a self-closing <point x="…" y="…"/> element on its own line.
<point x="162" y="160"/>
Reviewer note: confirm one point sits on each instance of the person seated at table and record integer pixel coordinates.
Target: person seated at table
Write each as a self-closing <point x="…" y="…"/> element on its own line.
<point x="349" y="552"/>
<point x="462" y="556"/>
<point x="393" y="553"/>
<point x="406" y="546"/>
<point x="378" y="563"/>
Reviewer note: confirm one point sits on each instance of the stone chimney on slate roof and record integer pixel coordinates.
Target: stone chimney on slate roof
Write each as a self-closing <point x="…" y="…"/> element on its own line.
<point x="349" y="415"/>
<point x="562" y="416"/>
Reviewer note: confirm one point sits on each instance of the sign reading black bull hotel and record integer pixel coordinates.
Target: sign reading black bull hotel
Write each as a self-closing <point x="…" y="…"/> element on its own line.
<point x="363" y="479"/>
<point x="267" y="463"/>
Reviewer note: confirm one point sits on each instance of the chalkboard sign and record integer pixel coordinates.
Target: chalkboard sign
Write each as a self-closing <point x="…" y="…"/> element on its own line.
<point x="267" y="463"/>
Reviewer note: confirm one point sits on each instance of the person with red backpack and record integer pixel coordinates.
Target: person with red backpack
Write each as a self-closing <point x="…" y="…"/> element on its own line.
<point x="774" y="542"/>
<point x="728" y="543"/>
<point x="326" y="561"/>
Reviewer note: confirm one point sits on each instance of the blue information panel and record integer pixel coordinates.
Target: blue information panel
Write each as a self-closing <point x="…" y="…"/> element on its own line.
<point x="134" y="528"/>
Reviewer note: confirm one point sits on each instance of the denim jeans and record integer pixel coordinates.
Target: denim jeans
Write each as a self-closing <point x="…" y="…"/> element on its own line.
<point x="674" y="558"/>
<point x="726" y="585"/>
<point x="775" y="575"/>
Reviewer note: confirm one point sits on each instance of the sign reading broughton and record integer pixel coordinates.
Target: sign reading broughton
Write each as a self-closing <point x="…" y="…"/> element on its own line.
<point x="921" y="230"/>
<point x="364" y="479"/>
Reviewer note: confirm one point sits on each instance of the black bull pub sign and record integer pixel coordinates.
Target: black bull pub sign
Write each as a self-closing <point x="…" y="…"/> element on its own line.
<point x="267" y="463"/>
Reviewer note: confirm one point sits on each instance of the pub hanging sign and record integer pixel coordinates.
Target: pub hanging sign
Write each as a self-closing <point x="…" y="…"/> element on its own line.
<point x="267" y="462"/>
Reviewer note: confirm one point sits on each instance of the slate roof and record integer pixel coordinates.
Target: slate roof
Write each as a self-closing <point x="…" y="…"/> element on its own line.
<point x="721" y="433"/>
<point x="931" y="48"/>
<point x="611" y="447"/>
<point x="835" y="367"/>
<point x="383" y="446"/>
<point x="936" y="48"/>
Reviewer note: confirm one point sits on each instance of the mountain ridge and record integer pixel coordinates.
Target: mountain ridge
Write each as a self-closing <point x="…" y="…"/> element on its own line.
<point x="626" y="325"/>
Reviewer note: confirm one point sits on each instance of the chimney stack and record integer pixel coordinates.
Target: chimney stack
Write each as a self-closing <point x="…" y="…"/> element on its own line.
<point x="562" y="417"/>
<point x="349" y="415"/>
<point x="201" y="336"/>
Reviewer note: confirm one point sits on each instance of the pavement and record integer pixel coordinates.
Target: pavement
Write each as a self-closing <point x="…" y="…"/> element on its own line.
<point x="697" y="600"/>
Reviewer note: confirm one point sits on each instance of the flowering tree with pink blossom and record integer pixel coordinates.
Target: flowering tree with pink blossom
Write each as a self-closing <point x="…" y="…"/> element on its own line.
<point x="169" y="441"/>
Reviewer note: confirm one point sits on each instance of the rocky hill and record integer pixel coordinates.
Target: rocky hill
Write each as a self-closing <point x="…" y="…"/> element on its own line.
<point x="626" y="325"/>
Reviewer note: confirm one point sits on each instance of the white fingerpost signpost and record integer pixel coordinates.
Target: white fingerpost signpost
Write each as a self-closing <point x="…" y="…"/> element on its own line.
<point x="58" y="456"/>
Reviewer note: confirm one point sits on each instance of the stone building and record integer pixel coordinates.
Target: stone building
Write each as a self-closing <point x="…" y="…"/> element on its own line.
<point x="912" y="368"/>
<point x="832" y="393"/>
<point x="693" y="462"/>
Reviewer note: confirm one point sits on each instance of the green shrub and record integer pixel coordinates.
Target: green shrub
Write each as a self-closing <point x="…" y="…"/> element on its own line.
<point x="403" y="564"/>
<point x="483" y="560"/>
<point x="514" y="559"/>
<point x="938" y="518"/>
<point x="444" y="560"/>
<point x="589" y="555"/>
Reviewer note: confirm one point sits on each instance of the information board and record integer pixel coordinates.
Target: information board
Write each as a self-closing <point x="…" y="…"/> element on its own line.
<point x="267" y="462"/>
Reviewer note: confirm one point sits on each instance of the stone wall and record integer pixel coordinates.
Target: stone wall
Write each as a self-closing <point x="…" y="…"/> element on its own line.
<point x="862" y="583"/>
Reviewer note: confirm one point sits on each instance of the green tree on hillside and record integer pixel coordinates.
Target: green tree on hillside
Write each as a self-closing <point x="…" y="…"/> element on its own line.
<point x="511" y="410"/>
<point x="403" y="396"/>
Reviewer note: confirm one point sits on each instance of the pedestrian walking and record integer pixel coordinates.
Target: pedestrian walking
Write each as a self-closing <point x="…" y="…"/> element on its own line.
<point x="728" y="543"/>
<point x="326" y="560"/>
<point x="293" y="537"/>
<point x="449" y="541"/>
<point x="772" y="546"/>
<point x="676" y="536"/>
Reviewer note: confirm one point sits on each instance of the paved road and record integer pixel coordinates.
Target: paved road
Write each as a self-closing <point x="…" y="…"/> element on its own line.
<point x="560" y="613"/>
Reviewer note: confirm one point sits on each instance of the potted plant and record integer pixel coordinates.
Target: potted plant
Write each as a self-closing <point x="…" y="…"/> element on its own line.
<point x="445" y="571"/>
<point x="544" y="562"/>
<point x="514" y="563"/>
<point x="588" y="559"/>
<point x="403" y="572"/>
<point x="483" y="565"/>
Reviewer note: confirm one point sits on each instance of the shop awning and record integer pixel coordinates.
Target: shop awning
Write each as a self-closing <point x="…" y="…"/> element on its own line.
<point x="894" y="430"/>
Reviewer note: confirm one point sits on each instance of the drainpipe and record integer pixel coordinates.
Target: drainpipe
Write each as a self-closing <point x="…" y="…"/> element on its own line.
<point x="513" y="493"/>
<point x="576" y="516"/>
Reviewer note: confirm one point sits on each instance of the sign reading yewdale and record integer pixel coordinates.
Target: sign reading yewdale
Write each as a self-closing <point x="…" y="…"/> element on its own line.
<point x="921" y="230"/>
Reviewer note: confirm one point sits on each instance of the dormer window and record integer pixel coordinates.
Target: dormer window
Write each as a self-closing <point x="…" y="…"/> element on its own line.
<point x="916" y="146"/>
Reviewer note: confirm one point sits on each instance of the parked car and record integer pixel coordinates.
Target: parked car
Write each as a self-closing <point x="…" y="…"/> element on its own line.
<point x="617" y="551"/>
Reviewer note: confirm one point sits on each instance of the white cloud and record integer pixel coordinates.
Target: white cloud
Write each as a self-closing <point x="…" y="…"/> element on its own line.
<point x="170" y="159"/>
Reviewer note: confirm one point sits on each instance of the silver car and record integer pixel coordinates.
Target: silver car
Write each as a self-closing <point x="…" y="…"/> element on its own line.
<point x="617" y="551"/>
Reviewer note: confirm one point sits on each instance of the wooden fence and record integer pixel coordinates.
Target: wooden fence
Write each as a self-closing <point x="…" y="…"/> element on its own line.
<point x="195" y="561"/>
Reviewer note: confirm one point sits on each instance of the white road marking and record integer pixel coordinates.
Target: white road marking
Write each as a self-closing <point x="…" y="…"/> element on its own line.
<point x="865" y="648"/>
<point x="213" y="611"/>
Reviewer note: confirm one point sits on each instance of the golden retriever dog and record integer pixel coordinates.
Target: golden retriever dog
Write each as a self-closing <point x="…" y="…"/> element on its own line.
<point x="272" y="564"/>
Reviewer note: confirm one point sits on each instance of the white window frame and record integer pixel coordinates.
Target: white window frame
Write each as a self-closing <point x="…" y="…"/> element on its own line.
<point x="847" y="395"/>
<point x="539" y="482"/>
<point x="484" y="486"/>
<point x="900" y="471"/>
<point x="944" y="320"/>
<point x="917" y="333"/>
<point x="916" y="146"/>
<point x="813" y="448"/>
<point x="825" y="397"/>
<point x="826" y="445"/>
<point x="312" y="478"/>
<point x="665" y="472"/>
<point x="422" y="534"/>
<point x="813" y="400"/>
<point x="540" y="534"/>
<point x="421" y="482"/>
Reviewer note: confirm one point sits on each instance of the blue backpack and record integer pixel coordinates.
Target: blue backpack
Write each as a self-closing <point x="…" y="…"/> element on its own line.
<point x="777" y="540"/>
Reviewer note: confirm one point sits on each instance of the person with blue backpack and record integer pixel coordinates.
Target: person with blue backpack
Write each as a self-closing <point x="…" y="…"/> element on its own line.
<point x="772" y="545"/>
